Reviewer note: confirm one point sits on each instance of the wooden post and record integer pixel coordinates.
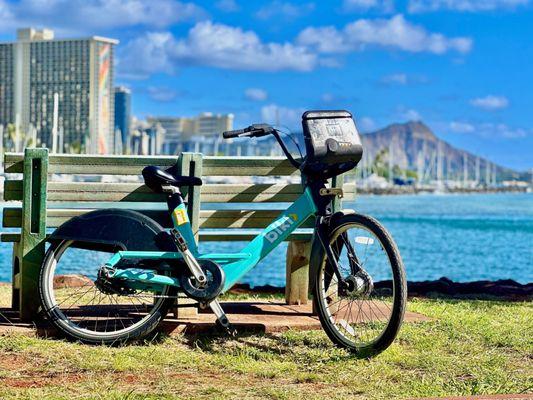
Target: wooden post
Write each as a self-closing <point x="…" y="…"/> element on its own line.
<point x="191" y="165"/>
<point x="297" y="272"/>
<point x="30" y="252"/>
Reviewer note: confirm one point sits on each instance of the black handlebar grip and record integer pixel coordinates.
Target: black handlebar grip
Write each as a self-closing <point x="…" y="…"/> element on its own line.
<point x="232" y="134"/>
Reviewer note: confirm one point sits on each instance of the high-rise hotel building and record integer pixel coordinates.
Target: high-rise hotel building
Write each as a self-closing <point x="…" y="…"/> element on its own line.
<point x="72" y="79"/>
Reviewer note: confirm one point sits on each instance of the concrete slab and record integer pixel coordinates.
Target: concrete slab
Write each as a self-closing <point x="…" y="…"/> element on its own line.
<point x="256" y="317"/>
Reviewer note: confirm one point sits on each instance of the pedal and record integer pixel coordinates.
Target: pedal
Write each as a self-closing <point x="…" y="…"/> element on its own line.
<point x="222" y="319"/>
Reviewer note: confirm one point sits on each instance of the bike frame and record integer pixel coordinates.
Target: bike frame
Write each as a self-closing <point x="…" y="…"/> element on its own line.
<point x="235" y="265"/>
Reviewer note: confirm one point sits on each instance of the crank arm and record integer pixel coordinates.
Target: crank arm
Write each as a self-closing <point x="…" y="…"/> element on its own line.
<point x="222" y="318"/>
<point x="194" y="267"/>
<point x="188" y="257"/>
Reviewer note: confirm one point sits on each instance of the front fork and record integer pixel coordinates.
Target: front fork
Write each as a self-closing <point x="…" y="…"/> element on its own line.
<point x="322" y="230"/>
<point x="349" y="283"/>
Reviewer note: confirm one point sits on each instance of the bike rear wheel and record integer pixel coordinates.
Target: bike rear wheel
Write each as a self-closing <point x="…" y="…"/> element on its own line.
<point x="89" y="309"/>
<point x="365" y="315"/>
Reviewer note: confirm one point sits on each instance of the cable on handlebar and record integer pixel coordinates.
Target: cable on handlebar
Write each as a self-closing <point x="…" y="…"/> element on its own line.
<point x="291" y="159"/>
<point x="290" y="136"/>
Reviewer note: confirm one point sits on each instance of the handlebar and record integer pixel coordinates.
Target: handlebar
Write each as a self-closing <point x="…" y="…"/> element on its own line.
<point x="258" y="130"/>
<point x="232" y="134"/>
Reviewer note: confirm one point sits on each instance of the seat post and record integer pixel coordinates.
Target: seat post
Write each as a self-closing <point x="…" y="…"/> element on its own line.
<point x="174" y="198"/>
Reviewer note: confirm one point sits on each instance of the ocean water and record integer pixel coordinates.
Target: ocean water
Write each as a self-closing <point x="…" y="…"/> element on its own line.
<point x="463" y="237"/>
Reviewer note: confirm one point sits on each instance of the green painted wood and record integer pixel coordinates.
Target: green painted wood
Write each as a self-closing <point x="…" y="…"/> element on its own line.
<point x="133" y="165"/>
<point x="33" y="232"/>
<point x="12" y="190"/>
<point x="137" y="192"/>
<point x="208" y="219"/>
<point x="250" y="193"/>
<point x="227" y="235"/>
<point x="15" y="277"/>
<point x="13" y="163"/>
<point x="247" y="166"/>
<point x="10" y="237"/>
<point x="93" y="164"/>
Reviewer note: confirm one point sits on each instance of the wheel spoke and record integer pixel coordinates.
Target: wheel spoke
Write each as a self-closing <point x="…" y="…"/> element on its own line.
<point x="99" y="305"/>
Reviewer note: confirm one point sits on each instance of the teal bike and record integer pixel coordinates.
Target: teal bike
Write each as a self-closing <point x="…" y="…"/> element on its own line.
<point x="134" y="270"/>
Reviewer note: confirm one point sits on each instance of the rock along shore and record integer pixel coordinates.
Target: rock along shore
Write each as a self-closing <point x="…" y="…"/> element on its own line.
<point x="505" y="289"/>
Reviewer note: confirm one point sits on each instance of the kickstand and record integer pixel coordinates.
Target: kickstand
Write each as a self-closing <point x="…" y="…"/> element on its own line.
<point x="222" y="319"/>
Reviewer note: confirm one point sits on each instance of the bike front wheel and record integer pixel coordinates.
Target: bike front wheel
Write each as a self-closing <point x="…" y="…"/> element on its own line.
<point x="365" y="312"/>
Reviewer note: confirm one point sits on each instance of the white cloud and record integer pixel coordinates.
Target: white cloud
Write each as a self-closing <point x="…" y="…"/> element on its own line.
<point x="147" y="54"/>
<point x="214" y="45"/>
<point x="384" y="6"/>
<point x="91" y="15"/>
<point x="420" y="6"/>
<point x="489" y="130"/>
<point x="409" y="114"/>
<point x="490" y="103"/>
<point x="285" y="116"/>
<point x="461" y="127"/>
<point x="284" y="9"/>
<point x="227" y="5"/>
<point x="394" y="33"/>
<point x="503" y="131"/>
<point x="366" y="124"/>
<point x="5" y="12"/>
<point x="395" y="79"/>
<point x="255" y="94"/>
<point x="403" y="79"/>
<point x="230" y="47"/>
<point x="326" y="39"/>
<point x="162" y="93"/>
<point x="327" y="97"/>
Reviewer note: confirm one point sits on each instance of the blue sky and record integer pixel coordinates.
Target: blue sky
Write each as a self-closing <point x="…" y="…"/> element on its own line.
<point x="464" y="67"/>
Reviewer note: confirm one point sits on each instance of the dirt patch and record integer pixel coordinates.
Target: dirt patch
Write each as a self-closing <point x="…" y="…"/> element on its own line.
<point x="12" y="362"/>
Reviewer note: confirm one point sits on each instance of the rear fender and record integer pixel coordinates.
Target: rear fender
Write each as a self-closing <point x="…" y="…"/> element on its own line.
<point x="113" y="230"/>
<point x="317" y="250"/>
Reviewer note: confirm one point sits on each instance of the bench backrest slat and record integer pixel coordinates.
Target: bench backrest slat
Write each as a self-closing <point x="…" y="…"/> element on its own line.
<point x="136" y="192"/>
<point x="208" y="219"/>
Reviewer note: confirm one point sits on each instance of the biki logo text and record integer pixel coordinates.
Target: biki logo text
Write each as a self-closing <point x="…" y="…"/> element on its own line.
<point x="280" y="227"/>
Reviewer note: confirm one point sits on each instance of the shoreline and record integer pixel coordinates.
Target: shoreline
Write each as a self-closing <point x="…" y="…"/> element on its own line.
<point x="502" y="289"/>
<point x="411" y="190"/>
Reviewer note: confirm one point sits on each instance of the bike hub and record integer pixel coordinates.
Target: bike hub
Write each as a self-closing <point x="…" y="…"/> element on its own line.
<point x="360" y="284"/>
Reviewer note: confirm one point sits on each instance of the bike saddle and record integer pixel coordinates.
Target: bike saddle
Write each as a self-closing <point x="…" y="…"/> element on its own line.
<point x="155" y="178"/>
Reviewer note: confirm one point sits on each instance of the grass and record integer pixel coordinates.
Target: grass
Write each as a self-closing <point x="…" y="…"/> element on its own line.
<point x="470" y="347"/>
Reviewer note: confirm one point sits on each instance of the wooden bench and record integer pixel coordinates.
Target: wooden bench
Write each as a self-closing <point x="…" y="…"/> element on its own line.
<point x="47" y="202"/>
